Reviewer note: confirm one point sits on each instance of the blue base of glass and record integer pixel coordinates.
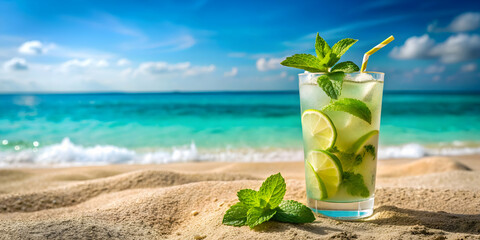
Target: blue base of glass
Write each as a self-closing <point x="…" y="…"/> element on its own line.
<point x="342" y="211"/>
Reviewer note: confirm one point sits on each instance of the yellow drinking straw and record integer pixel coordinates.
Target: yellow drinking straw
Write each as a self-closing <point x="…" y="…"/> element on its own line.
<point x="373" y="50"/>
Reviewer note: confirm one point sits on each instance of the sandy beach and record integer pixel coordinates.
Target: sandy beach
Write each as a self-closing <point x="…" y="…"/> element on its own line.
<point x="428" y="198"/>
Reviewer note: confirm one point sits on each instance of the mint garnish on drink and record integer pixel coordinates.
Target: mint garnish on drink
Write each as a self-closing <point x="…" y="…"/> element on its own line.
<point x="256" y="207"/>
<point x="331" y="82"/>
<point x="324" y="62"/>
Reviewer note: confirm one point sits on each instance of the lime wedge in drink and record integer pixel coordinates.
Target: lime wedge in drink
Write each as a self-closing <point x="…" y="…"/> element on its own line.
<point x="321" y="129"/>
<point x="315" y="186"/>
<point x="365" y="143"/>
<point x="328" y="168"/>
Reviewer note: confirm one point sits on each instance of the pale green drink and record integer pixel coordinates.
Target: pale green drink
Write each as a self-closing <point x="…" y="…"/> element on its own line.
<point x="340" y="148"/>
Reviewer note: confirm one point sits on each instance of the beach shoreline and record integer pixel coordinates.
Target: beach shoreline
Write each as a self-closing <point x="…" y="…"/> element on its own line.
<point x="431" y="197"/>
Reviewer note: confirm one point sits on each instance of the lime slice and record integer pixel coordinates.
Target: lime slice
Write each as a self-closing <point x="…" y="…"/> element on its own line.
<point x="321" y="129"/>
<point x="315" y="186"/>
<point x="371" y="138"/>
<point x="328" y="168"/>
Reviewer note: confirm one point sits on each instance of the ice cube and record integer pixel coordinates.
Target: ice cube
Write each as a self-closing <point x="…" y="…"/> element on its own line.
<point x="362" y="77"/>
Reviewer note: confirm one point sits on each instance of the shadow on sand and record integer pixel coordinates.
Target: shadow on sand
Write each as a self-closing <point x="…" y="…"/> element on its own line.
<point x="455" y="223"/>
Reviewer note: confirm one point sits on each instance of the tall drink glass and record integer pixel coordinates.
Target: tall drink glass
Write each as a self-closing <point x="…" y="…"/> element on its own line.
<point x="341" y="148"/>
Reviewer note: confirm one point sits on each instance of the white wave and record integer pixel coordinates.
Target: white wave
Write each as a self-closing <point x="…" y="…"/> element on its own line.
<point x="67" y="153"/>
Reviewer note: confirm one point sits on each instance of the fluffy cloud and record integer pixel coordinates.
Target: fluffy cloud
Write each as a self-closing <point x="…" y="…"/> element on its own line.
<point x="123" y="62"/>
<point x="456" y="48"/>
<point x="16" y="64"/>
<point x="414" y="47"/>
<point x="470" y="67"/>
<point x="464" y="22"/>
<point x="79" y="64"/>
<point x="185" y="68"/>
<point x="231" y="73"/>
<point x="34" y="48"/>
<point x="264" y="64"/>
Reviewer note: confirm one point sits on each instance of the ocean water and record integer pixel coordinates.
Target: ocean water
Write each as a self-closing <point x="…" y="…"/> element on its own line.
<point x="104" y="128"/>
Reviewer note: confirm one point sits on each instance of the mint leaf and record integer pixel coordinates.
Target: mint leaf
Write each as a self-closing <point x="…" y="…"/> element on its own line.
<point x="306" y="62"/>
<point x="257" y="215"/>
<point x="331" y="84"/>
<point x="321" y="47"/>
<point x="358" y="160"/>
<point x="236" y="215"/>
<point x="370" y="149"/>
<point x="248" y="197"/>
<point x="355" y="185"/>
<point x="342" y="46"/>
<point x="327" y="86"/>
<point x="346" y="67"/>
<point x="272" y="191"/>
<point x="329" y="60"/>
<point x="293" y="212"/>
<point x="353" y="106"/>
<point x="333" y="149"/>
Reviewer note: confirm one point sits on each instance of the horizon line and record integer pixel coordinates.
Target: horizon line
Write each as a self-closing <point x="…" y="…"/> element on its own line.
<point x="214" y="91"/>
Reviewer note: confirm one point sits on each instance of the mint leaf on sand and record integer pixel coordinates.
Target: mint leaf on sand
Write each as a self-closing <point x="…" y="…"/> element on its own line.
<point x="272" y="191"/>
<point x="293" y="212"/>
<point x="355" y="185"/>
<point x="342" y="46"/>
<point x="236" y="215"/>
<point x="306" y="62"/>
<point x="248" y="197"/>
<point x="347" y="67"/>
<point x="257" y="215"/>
<point x="353" y="106"/>
<point x="256" y="207"/>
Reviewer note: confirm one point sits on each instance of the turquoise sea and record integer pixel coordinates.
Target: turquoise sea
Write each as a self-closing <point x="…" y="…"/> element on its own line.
<point x="102" y="128"/>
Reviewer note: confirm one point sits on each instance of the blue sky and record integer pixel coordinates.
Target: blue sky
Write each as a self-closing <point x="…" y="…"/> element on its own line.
<point x="206" y="45"/>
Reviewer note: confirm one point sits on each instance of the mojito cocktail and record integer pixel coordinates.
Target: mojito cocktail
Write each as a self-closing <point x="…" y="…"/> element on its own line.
<point x="340" y="141"/>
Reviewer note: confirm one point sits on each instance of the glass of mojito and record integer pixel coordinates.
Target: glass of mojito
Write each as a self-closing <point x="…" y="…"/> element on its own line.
<point x="341" y="148"/>
<point x="340" y="122"/>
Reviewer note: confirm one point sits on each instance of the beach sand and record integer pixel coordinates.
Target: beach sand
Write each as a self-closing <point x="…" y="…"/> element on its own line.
<point x="429" y="198"/>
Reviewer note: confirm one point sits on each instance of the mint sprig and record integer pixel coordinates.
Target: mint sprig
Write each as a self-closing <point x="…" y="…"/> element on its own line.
<point x="325" y="62"/>
<point x="353" y="106"/>
<point x="256" y="207"/>
<point x="355" y="184"/>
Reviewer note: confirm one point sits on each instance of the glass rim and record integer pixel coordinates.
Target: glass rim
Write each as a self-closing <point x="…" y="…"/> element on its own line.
<point x="381" y="73"/>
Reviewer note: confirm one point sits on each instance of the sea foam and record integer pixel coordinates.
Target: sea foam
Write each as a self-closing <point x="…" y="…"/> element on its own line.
<point x="67" y="153"/>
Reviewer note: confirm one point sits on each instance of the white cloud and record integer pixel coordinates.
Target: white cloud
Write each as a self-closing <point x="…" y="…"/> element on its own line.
<point x="470" y="67"/>
<point x="200" y="70"/>
<point x="80" y="64"/>
<point x="283" y="74"/>
<point x="434" y="69"/>
<point x="123" y="62"/>
<point x="264" y="64"/>
<point x="34" y="48"/>
<point x="102" y="63"/>
<point x="456" y="48"/>
<point x="464" y="22"/>
<point x="162" y="67"/>
<point x="414" y="47"/>
<point x="185" y="68"/>
<point x="231" y="73"/>
<point x="436" y="78"/>
<point x="16" y="64"/>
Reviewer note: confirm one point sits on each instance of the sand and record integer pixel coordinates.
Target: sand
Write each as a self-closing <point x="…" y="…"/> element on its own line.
<point x="429" y="198"/>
